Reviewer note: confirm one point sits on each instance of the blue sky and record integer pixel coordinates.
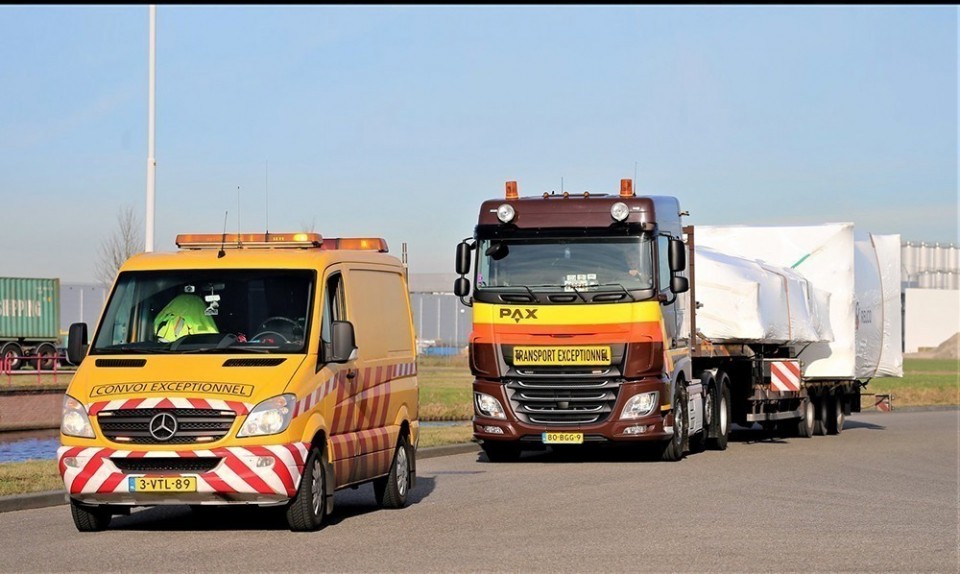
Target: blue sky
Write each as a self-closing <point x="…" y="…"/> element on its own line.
<point x="399" y="121"/>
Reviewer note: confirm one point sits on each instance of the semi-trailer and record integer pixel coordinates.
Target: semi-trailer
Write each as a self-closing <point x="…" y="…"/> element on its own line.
<point x="592" y="323"/>
<point x="29" y="322"/>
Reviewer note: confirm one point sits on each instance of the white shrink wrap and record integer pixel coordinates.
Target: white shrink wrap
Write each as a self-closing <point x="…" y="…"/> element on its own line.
<point x="822" y="254"/>
<point x="878" y="320"/>
<point x="749" y="301"/>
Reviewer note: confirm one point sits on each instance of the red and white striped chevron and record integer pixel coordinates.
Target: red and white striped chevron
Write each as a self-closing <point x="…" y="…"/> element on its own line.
<point x="169" y="403"/>
<point x="785" y="376"/>
<point x="92" y="471"/>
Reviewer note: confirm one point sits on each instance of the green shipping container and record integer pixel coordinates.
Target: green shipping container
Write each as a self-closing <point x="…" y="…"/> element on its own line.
<point x="29" y="309"/>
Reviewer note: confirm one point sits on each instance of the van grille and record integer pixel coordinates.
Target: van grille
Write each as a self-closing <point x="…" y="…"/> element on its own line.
<point x="553" y="401"/>
<point x="172" y="465"/>
<point x="132" y="426"/>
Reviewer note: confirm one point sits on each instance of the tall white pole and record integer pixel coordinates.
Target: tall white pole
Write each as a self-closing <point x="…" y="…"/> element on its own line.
<point x="152" y="133"/>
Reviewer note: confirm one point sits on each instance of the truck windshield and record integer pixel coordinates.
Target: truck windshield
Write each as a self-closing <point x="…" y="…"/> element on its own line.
<point x="574" y="264"/>
<point x="207" y="311"/>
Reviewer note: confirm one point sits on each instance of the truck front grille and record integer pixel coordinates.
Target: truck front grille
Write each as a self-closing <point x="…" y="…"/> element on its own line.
<point x="562" y="401"/>
<point x="132" y="426"/>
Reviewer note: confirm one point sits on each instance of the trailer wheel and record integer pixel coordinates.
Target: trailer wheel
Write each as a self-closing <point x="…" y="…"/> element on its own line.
<point x="720" y="420"/>
<point x="391" y="491"/>
<point x="836" y="420"/>
<point x="822" y="415"/>
<point x="500" y="451"/>
<point x="807" y="419"/>
<point x="89" y="518"/>
<point x="10" y="353"/>
<point x="673" y="450"/>
<point x="306" y="511"/>
<point x="47" y="354"/>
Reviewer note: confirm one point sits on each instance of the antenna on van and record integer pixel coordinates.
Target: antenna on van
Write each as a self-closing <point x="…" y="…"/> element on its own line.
<point x="403" y="260"/>
<point x="238" y="216"/>
<point x="266" y="198"/>
<point x="223" y="239"/>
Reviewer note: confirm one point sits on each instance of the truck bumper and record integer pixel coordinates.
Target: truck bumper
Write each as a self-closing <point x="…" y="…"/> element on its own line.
<point x="263" y="475"/>
<point x="657" y="426"/>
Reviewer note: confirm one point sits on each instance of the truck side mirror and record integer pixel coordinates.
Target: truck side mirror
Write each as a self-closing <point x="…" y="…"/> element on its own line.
<point x="343" y="346"/>
<point x="679" y="284"/>
<point x="463" y="258"/>
<point x="461" y="287"/>
<point x="678" y="255"/>
<point x="77" y="343"/>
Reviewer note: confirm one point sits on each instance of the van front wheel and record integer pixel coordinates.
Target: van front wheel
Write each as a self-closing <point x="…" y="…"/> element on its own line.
<point x="306" y="510"/>
<point x="90" y="518"/>
<point x="391" y="491"/>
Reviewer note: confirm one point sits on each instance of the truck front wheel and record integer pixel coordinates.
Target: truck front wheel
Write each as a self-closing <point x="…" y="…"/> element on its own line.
<point x="720" y="417"/>
<point x="673" y="450"/>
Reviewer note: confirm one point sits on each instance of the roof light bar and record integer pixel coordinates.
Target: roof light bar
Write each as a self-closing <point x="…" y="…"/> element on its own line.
<point x="248" y="240"/>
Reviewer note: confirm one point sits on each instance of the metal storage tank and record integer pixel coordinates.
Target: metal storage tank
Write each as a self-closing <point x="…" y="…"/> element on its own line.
<point x="908" y="260"/>
<point x="925" y="280"/>
<point x="939" y="259"/>
<point x="953" y="280"/>
<point x="953" y="259"/>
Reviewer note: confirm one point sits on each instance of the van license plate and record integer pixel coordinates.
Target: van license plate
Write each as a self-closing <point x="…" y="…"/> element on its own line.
<point x="162" y="483"/>
<point x="563" y="438"/>
<point x="597" y="355"/>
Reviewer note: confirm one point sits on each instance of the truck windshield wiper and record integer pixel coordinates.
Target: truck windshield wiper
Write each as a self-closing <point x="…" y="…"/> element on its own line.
<point x="622" y="288"/>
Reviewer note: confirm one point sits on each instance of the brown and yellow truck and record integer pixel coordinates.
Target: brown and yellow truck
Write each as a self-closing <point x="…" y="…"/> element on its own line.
<point x="582" y="322"/>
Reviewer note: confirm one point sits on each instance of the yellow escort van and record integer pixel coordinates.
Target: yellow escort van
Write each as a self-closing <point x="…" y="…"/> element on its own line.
<point x="263" y="369"/>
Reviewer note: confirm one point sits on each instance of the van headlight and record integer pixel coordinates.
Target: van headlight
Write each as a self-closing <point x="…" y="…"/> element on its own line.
<point x="74" y="420"/>
<point x="641" y="405"/>
<point x="488" y="406"/>
<point x="271" y="416"/>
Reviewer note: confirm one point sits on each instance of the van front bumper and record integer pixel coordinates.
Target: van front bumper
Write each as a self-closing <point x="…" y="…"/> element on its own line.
<point x="263" y="475"/>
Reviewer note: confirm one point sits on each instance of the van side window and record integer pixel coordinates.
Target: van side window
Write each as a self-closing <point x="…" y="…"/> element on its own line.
<point x="663" y="253"/>
<point x="334" y="309"/>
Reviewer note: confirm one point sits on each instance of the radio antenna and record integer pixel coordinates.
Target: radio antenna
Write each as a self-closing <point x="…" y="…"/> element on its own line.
<point x="238" y="216"/>
<point x="266" y="200"/>
<point x="223" y="239"/>
<point x="561" y="184"/>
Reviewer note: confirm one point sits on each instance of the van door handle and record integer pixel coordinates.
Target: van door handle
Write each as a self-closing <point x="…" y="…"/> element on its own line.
<point x="351" y="373"/>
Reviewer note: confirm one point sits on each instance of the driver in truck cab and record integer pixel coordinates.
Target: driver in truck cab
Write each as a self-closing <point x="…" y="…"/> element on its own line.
<point x="273" y="375"/>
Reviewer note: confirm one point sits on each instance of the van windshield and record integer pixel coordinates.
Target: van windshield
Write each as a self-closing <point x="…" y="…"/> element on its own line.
<point x="207" y="311"/>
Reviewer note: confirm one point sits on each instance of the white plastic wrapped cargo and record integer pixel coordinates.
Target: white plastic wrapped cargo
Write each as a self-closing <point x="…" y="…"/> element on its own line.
<point x="878" y="321"/>
<point x="824" y="255"/>
<point x="745" y="300"/>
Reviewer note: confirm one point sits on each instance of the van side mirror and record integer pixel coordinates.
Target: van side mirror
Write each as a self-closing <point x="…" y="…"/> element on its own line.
<point x="77" y="343"/>
<point x="463" y="258"/>
<point x="678" y="255"/>
<point x="679" y="284"/>
<point x="343" y="345"/>
<point x="461" y="287"/>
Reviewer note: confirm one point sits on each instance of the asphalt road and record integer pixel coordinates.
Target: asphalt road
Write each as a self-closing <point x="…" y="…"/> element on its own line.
<point x="883" y="496"/>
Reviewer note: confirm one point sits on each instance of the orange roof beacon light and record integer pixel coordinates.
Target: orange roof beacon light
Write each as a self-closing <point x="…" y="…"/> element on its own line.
<point x="278" y="241"/>
<point x="512" y="190"/>
<point x="248" y="240"/>
<point x="626" y="188"/>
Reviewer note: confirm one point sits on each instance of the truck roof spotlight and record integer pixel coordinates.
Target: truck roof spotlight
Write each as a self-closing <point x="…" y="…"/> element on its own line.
<point x="619" y="211"/>
<point x="506" y="213"/>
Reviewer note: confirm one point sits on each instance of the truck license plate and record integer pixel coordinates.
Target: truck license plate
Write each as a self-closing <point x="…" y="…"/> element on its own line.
<point x="563" y="438"/>
<point x="596" y="355"/>
<point x="162" y="483"/>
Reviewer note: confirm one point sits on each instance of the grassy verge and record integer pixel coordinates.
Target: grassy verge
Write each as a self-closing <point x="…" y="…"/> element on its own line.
<point x="437" y="436"/>
<point x="925" y="382"/>
<point x="445" y="388"/>
<point x="29" y="476"/>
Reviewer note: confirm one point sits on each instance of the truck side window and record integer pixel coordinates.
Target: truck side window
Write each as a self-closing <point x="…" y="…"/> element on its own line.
<point x="663" y="257"/>
<point x="334" y="309"/>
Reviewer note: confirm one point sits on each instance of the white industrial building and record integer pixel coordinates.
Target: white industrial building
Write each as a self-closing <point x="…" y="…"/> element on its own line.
<point x="931" y="294"/>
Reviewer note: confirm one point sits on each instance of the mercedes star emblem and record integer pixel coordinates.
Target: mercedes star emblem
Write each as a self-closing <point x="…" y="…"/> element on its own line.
<point x="163" y="426"/>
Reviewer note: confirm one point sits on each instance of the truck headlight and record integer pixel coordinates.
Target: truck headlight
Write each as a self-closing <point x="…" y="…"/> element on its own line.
<point x="488" y="406"/>
<point x="639" y="406"/>
<point x="271" y="416"/>
<point x="74" y="420"/>
<point x="506" y="213"/>
<point x="619" y="211"/>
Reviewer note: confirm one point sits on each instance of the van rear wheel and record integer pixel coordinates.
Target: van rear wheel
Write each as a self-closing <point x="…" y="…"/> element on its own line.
<point x="392" y="490"/>
<point x="88" y="518"/>
<point x="306" y="511"/>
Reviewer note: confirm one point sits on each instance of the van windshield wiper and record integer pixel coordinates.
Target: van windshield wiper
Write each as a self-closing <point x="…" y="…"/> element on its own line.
<point x="140" y="347"/>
